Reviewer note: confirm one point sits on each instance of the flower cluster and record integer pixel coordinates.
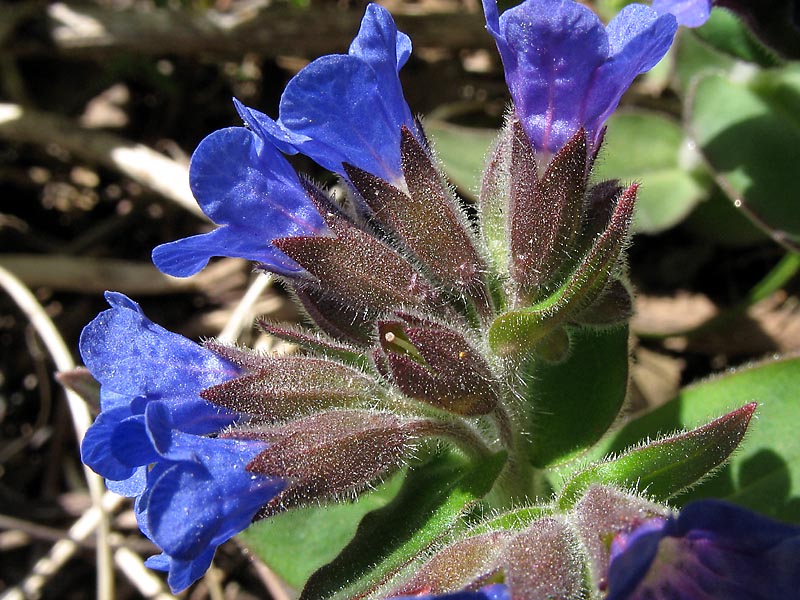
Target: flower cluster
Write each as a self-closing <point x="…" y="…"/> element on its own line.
<point x="422" y="324"/>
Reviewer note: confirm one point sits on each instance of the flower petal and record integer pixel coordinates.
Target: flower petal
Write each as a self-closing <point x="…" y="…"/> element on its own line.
<point x="96" y="450"/>
<point x="348" y="108"/>
<point x="130" y="443"/>
<point x="183" y="510"/>
<point x="130" y="487"/>
<point x="690" y="13"/>
<point x="638" y="38"/>
<point x="712" y="551"/>
<point x="496" y="591"/>
<point x="565" y="70"/>
<point x="198" y="496"/>
<point x="245" y="185"/>
<point x="550" y="50"/>
<point x="128" y="353"/>
<point x="182" y="573"/>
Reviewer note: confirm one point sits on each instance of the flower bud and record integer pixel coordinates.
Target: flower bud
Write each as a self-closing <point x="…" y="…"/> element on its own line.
<point x="669" y="465"/>
<point x="427" y="219"/>
<point x="292" y="386"/>
<point x="433" y="363"/>
<point x="467" y="564"/>
<point x="545" y="561"/>
<point x="604" y="512"/>
<point x="357" y="270"/>
<point x="330" y="454"/>
<point x="545" y="213"/>
<point x="315" y="343"/>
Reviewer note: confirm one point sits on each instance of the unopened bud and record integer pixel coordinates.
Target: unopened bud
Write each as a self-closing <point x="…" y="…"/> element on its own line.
<point x="357" y="270"/>
<point x="435" y="364"/>
<point x="466" y="564"/>
<point x="669" y="465"/>
<point x="545" y="213"/>
<point x="292" y="386"/>
<point x="331" y="454"/>
<point x="602" y="513"/>
<point x="545" y="561"/>
<point x="427" y="219"/>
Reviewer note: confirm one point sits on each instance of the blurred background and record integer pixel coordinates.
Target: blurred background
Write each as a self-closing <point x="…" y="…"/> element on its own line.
<point x="102" y="103"/>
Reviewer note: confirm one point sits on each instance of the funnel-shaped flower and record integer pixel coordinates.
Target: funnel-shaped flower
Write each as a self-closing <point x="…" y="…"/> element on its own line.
<point x="711" y="551"/>
<point x="565" y="70"/>
<point x="199" y="494"/>
<point x="347" y="108"/>
<point x="193" y="492"/>
<point x="247" y="187"/>
<point x="138" y="363"/>
<point x="689" y="13"/>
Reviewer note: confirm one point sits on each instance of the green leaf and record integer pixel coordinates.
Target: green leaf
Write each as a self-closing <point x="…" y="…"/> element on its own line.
<point x="296" y="543"/>
<point x="718" y="220"/>
<point x="575" y="402"/>
<point x="695" y="58"/>
<point x="647" y="147"/>
<point x="727" y="33"/>
<point x="667" y="466"/>
<point x="764" y="474"/>
<point x="433" y="499"/>
<point x="774" y="22"/>
<point x="462" y="150"/>
<point x="749" y="132"/>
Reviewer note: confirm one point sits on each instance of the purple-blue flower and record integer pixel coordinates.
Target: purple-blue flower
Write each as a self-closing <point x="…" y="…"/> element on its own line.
<point x="689" y="13"/>
<point x="246" y="186"/>
<point x="565" y="71"/>
<point x="347" y="107"/>
<point x="497" y="591"/>
<point x="149" y="441"/>
<point x="199" y="494"/>
<point x="138" y="363"/>
<point x="711" y="551"/>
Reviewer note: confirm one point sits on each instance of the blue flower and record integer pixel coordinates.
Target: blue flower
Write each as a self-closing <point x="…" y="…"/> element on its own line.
<point x="138" y="363"/>
<point x="199" y="494"/>
<point x="193" y="492"/>
<point x="565" y="71"/>
<point x="497" y="591"/>
<point x="347" y="107"/>
<point x="244" y="184"/>
<point x="711" y="551"/>
<point x="689" y="13"/>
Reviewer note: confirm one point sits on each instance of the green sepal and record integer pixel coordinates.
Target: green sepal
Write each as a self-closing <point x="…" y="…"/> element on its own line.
<point x="764" y="474"/>
<point x="667" y="466"/>
<point x="493" y="210"/>
<point x="515" y="333"/>
<point x="427" y="509"/>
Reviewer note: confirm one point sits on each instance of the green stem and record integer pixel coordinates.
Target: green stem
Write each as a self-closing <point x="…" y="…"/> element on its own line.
<point x="516" y="484"/>
<point x="462" y="435"/>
